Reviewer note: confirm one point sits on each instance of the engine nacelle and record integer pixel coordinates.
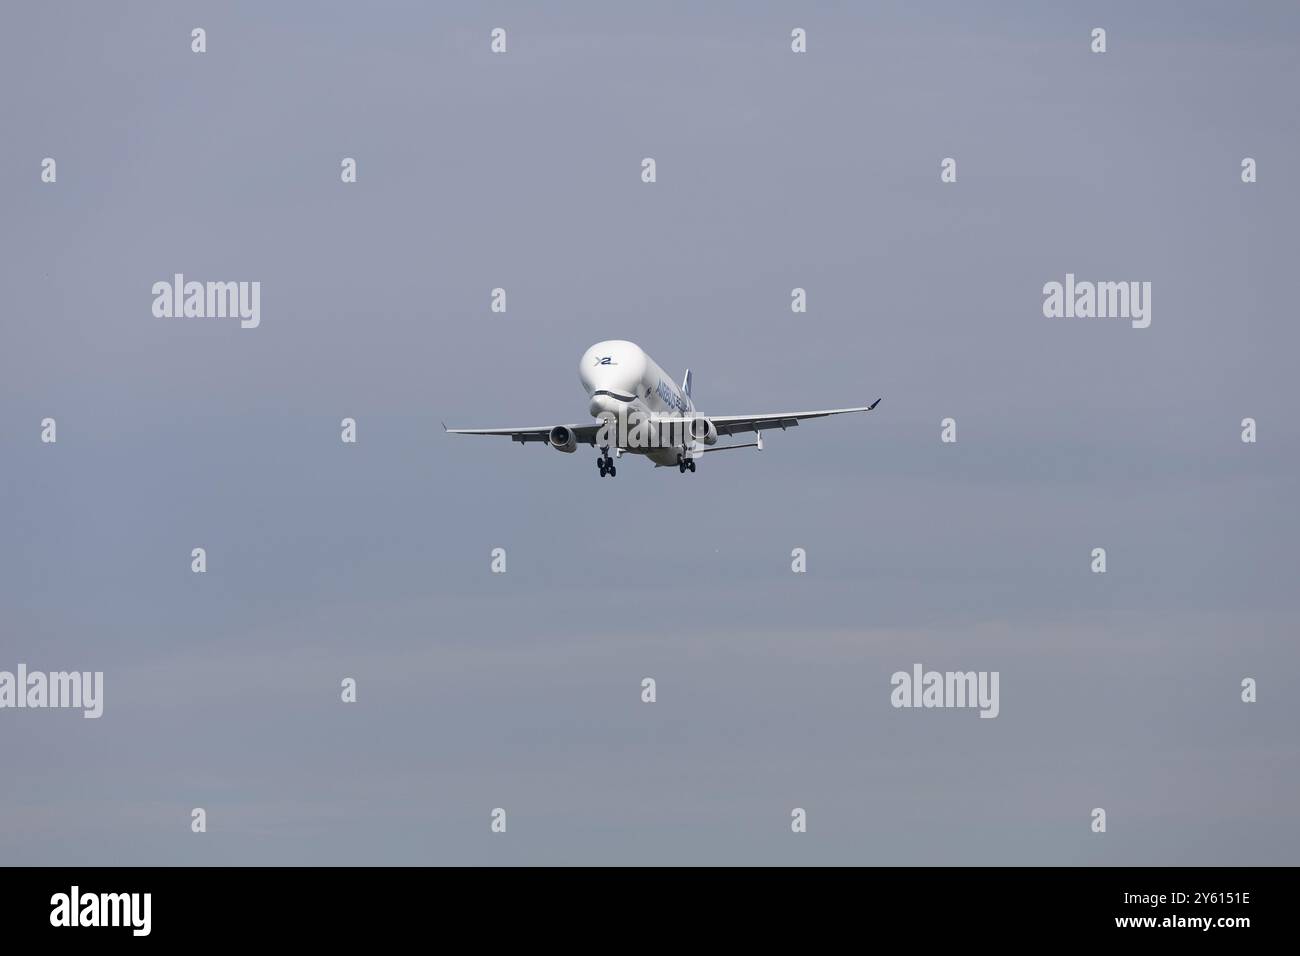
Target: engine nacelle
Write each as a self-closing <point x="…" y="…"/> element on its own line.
<point x="703" y="430"/>
<point x="563" y="439"/>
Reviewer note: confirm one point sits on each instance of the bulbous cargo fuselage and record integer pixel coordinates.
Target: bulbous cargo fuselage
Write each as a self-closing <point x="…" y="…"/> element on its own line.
<point x="621" y="380"/>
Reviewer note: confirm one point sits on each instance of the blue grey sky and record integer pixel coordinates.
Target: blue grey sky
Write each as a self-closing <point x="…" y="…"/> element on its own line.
<point x="522" y="690"/>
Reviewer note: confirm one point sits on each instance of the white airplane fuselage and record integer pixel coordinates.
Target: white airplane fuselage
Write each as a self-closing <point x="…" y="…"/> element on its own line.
<point x="621" y="379"/>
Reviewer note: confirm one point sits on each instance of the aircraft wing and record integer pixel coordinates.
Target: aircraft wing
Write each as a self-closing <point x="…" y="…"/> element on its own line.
<point x="585" y="434"/>
<point x="726" y="425"/>
<point x="737" y="424"/>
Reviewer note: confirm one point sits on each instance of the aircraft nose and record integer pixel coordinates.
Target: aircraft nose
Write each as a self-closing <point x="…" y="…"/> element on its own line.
<point x="603" y="404"/>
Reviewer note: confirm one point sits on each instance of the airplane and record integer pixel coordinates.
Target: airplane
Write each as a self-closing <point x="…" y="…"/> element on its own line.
<point x="642" y="411"/>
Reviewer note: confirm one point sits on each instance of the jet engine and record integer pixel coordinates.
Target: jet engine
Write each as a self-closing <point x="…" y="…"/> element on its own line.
<point x="562" y="439"/>
<point x="703" y="430"/>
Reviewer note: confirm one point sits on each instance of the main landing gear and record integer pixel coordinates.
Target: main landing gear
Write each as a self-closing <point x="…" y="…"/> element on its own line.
<point x="606" y="464"/>
<point x="685" y="464"/>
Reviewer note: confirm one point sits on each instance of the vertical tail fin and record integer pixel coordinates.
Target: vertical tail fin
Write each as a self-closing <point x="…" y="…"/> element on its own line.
<point x="686" y="383"/>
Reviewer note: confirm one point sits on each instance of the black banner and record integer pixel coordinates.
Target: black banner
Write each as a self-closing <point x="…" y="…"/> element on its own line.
<point x="533" y="904"/>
